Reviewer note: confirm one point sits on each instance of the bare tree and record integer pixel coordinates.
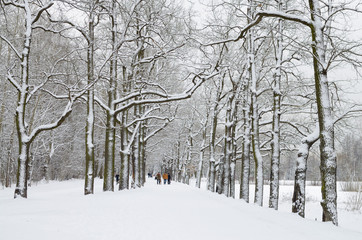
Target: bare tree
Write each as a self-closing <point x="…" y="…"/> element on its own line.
<point x="26" y="91"/>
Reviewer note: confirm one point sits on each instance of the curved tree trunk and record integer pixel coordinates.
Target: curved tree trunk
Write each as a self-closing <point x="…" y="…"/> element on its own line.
<point x="298" y="205"/>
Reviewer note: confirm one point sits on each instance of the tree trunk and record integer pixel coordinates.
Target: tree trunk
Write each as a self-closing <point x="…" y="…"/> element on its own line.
<point x="220" y="177"/>
<point x="9" y="161"/>
<point x="143" y="153"/>
<point x="258" y="160"/>
<point x="228" y="145"/>
<point x="89" y="139"/>
<point x="110" y="139"/>
<point x="199" y="169"/>
<point x="233" y="142"/>
<point x="125" y="161"/>
<point x="21" y="189"/>
<point x="214" y="121"/>
<point x="245" y="161"/>
<point x="328" y="166"/>
<point x="202" y="151"/>
<point x="275" y="158"/>
<point x="24" y="145"/>
<point x="298" y="201"/>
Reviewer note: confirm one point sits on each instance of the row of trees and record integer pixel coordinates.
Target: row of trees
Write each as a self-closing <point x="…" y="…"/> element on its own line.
<point x="118" y="56"/>
<point x="261" y="105"/>
<point x="123" y="66"/>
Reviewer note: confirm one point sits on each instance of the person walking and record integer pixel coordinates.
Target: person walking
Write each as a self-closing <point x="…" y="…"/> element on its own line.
<point x="117" y="178"/>
<point x="165" y="178"/>
<point x="158" y="178"/>
<point x="169" y="178"/>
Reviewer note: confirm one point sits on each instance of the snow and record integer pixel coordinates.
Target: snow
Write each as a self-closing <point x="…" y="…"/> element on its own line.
<point x="59" y="210"/>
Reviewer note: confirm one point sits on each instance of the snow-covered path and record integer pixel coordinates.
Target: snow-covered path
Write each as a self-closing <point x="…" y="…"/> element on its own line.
<point x="60" y="211"/>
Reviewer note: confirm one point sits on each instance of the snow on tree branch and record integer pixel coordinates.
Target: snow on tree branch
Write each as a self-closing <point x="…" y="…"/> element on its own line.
<point x="13" y="81"/>
<point x="67" y="110"/>
<point x="11" y="46"/>
<point x="165" y="97"/>
<point x="259" y="17"/>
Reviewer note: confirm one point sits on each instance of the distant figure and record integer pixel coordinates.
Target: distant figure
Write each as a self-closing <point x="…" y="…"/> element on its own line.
<point x="117" y="178"/>
<point x="165" y="178"/>
<point x="149" y="175"/>
<point x="169" y="179"/>
<point x="158" y="178"/>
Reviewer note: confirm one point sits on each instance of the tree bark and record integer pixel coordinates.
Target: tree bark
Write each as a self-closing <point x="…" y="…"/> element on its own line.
<point x="125" y="160"/>
<point x="298" y="201"/>
<point x="245" y="161"/>
<point x="110" y="139"/>
<point x="328" y="166"/>
<point x="214" y="122"/>
<point x="89" y="139"/>
<point x="275" y="158"/>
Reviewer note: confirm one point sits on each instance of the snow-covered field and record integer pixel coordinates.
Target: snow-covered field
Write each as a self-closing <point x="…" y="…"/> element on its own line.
<point x="59" y="210"/>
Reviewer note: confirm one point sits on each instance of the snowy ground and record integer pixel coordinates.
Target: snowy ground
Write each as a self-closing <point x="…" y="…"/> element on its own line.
<point x="59" y="210"/>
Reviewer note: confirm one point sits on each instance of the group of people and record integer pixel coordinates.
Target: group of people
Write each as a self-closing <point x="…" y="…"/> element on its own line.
<point x="166" y="178"/>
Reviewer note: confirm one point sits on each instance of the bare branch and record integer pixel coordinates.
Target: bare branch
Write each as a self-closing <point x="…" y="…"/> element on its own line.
<point x="39" y="13"/>
<point x="168" y="98"/>
<point x="11" y="46"/>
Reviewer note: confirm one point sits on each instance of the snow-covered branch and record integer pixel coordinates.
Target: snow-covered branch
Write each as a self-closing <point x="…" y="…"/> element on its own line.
<point x="13" y="81"/>
<point x="165" y="97"/>
<point x="150" y="135"/>
<point x="11" y="46"/>
<point x="157" y="55"/>
<point x="258" y="18"/>
<point x="295" y="127"/>
<point x="73" y="25"/>
<point x="143" y="118"/>
<point x="134" y="134"/>
<point x="67" y="110"/>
